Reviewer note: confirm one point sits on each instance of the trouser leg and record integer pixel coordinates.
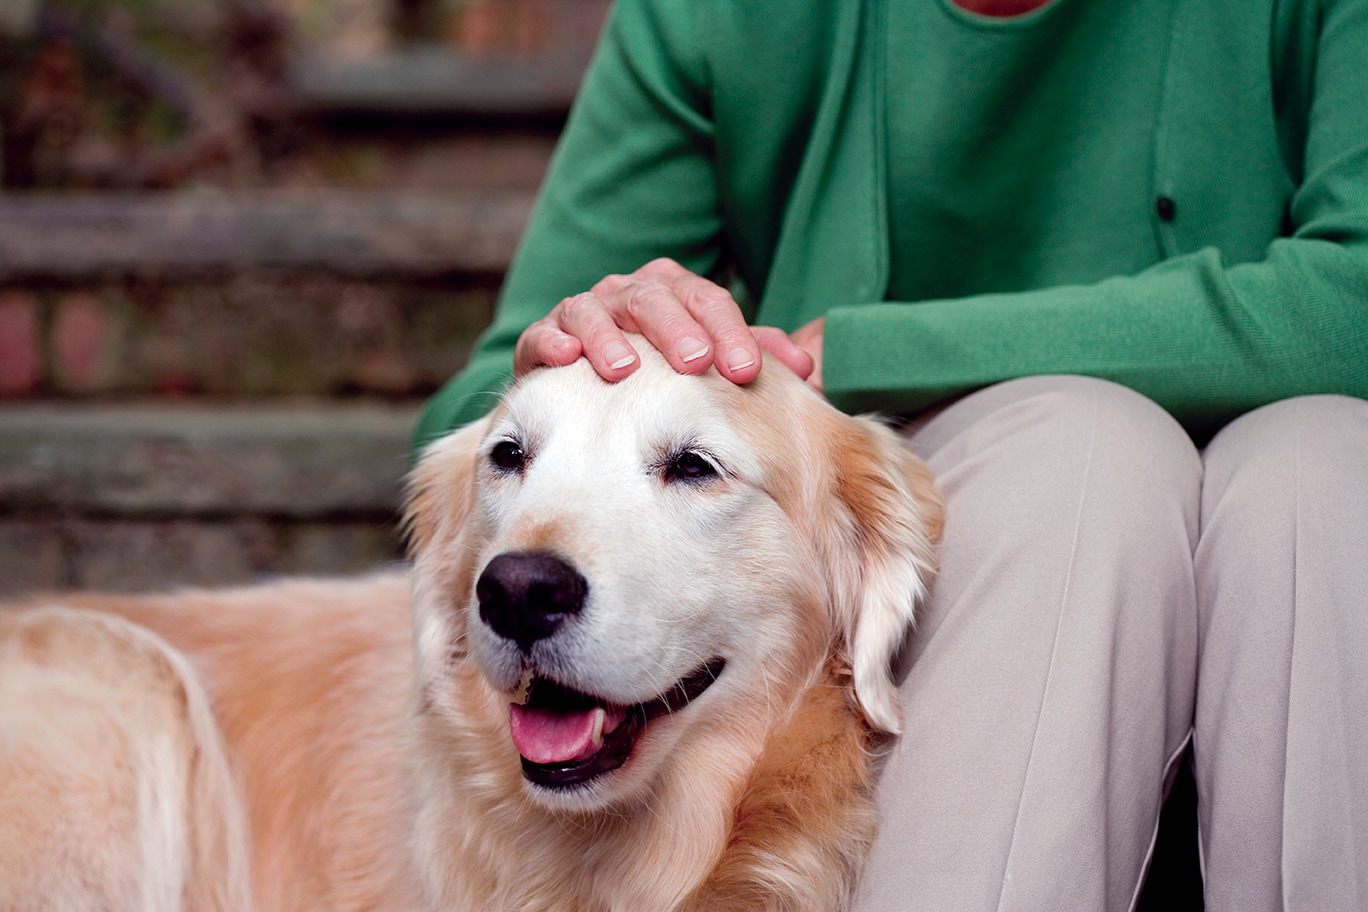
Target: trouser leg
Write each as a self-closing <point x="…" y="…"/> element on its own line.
<point x="1051" y="684"/>
<point x="1281" y="738"/>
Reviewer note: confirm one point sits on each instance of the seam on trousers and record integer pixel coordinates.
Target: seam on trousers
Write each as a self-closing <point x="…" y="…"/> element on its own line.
<point x="1292" y="652"/>
<point x="1201" y="837"/>
<point x="1049" y="674"/>
<point x="1158" y="812"/>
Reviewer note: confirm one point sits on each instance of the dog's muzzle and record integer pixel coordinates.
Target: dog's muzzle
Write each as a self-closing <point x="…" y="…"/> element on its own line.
<point x="565" y="737"/>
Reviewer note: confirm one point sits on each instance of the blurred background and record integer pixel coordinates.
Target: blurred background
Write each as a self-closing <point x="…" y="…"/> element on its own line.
<point x="240" y="242"/>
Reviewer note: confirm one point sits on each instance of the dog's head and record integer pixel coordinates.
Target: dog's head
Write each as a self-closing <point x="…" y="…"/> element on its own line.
<point x="631" y="564"/>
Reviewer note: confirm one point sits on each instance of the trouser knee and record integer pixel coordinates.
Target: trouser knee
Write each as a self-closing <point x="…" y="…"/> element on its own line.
<point x="1317" y="440"/>
<point x="1131" y="448"/>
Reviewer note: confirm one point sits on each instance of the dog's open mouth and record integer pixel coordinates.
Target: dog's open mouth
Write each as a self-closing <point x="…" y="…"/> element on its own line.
<point x="566" y="737"/>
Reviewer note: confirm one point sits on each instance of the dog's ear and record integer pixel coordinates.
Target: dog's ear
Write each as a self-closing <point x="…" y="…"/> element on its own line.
<point x="441" y="488"/>
<point x="881" y="555"/>
<point x="437" y="513"/>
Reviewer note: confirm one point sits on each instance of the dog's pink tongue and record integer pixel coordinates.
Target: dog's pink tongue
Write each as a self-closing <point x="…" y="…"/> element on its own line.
<point x="547" y="737"/>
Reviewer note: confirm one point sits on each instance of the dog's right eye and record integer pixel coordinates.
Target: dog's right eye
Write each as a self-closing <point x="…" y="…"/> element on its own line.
<point x="689" y="466"/>
<point x="508" y="456"/>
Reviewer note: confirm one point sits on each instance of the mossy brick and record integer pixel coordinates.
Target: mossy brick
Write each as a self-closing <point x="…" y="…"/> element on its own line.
<point x="21" y="343"/>
<point x="247" y="335"/>
<point x="87" y="344"/>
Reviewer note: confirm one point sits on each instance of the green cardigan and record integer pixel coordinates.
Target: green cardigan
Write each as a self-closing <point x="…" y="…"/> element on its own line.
<point x="750" y="140"/>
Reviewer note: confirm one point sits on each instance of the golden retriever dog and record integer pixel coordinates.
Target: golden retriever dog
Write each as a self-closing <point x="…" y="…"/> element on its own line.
<point x="641" y="662"/>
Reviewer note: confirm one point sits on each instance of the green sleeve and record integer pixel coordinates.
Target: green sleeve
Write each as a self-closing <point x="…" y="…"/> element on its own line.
<point x="1204" y="339"/>
<point x="633" y="179"/>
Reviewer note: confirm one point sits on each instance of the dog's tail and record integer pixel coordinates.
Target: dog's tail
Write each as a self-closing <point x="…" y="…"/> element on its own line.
<point x="115" y="788"/>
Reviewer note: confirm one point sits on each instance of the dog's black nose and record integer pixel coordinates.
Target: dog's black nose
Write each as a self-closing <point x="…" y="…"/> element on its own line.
<point x="525" y="597"/>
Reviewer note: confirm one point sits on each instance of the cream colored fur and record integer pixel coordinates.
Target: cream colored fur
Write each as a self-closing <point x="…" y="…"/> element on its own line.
<point x="344" y="745"/>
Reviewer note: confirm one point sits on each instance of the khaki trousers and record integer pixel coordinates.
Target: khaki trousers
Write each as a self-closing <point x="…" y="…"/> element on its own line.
<point x="1108" y="597"/>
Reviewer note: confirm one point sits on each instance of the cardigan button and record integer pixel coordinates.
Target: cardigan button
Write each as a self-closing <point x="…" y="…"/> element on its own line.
<point x="1166" y="208"/>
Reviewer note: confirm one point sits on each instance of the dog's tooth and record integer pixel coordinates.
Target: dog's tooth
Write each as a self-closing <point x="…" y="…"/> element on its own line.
<point x="596" y="736"/>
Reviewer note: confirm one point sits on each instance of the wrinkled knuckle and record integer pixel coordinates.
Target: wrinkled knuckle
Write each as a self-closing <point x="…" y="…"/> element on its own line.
<point x="710" y="300"/>
<point x="575" y="306"/>
<point x="612" y="285"/>
<point x="646" y="301"/>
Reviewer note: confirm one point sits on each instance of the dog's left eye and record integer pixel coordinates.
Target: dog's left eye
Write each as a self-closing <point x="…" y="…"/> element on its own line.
<point x="508" y="456"/>
<point x="689" y="466"/>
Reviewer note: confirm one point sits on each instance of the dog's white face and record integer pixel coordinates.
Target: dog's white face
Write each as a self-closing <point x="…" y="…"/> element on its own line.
<point x="632" y="555"/>
<point x="636" y="561"/>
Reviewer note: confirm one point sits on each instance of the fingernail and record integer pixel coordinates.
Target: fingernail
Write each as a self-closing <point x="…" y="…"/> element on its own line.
<point x="739" y="359"/>
<point x="618" y="355"/>
<point x="691" y="349"/>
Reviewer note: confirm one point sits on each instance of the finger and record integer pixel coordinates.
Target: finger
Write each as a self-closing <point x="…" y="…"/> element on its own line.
<point x="777" y="344"/>
<point x="587" y="318"/>
<point x="711" y="330"/>
<point x="731" y="346"/>
<point x="544" y="344"/>
<point x="737" y="354"/>
<point x="659" y="315"/>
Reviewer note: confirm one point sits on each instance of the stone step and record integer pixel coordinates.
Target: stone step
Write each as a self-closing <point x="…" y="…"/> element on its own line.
<point x="88" y="236"/>
<point x="142" y="496"/>
<point x="291" y="460"/>
<point x="436" y="83"/>
<point x="265" y="294"/>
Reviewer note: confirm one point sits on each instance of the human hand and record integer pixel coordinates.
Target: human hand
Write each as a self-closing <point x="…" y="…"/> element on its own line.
<point x="695" y="323"/>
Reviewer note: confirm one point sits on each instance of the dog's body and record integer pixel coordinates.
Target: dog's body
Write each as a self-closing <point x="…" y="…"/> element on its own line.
<point x="641" y="663"/>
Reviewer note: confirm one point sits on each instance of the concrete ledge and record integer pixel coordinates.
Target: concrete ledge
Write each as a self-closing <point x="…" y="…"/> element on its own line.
<point x="132" y="555"/>
<point x="294" y="462"/>
<point x="437" y="83"/>
<point x="351" y="234"/>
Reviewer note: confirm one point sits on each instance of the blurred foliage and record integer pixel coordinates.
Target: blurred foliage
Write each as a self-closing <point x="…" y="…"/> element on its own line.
<point x="152" y="94"/>
<point x="135" y="93"/>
